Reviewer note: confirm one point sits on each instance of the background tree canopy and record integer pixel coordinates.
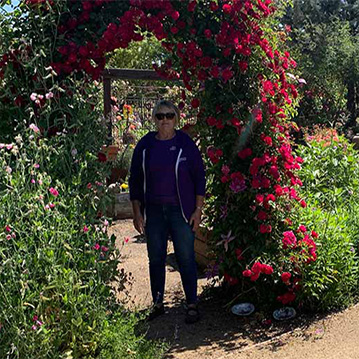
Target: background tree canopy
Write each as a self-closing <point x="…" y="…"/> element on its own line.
<point x="324" y="40"/>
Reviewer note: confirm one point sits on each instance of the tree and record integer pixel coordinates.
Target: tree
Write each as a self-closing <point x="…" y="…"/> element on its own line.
<point x="325" y="42"/>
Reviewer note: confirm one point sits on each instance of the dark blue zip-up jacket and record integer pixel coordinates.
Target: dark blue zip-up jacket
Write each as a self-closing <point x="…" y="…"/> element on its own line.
<point x="189" y="171"/>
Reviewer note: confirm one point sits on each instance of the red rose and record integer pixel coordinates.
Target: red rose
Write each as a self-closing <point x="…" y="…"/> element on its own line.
<point x="101" y="157"/>
<point x="195" y="103"/>
<point x="208" y="33"/>
<point x="247" y="273"/>
<point x="267" y="269"/>
<point x="243" y="65"/>
<point x="285" y="277"/>
<point x="227" y="8"/>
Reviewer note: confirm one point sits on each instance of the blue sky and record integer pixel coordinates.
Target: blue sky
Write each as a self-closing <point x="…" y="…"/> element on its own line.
<point x="9" y="8"/>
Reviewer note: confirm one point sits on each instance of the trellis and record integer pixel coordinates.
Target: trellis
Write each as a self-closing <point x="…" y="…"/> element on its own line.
<point x="124" y="74"/>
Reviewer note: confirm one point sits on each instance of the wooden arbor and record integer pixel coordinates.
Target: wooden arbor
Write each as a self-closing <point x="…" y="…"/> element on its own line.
<point x="124" y="74"/>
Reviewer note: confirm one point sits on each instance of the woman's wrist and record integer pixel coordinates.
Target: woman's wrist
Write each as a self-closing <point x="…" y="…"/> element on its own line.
<point x="199" y="208"/>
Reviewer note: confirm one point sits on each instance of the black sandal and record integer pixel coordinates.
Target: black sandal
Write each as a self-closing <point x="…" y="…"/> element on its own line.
<point x="192" y="315"/>
<point x="156" y="311"/>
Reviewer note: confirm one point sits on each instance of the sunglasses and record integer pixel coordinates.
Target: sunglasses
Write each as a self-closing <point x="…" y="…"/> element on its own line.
<point x="168" y="115"/>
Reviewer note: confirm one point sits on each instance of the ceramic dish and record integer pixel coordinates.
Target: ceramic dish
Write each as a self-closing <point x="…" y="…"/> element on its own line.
<point x="243" y="309"/>
<point x="284" y="313"/>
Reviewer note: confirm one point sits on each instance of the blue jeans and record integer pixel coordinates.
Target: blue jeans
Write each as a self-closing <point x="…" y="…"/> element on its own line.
<point x="163" y="220"/>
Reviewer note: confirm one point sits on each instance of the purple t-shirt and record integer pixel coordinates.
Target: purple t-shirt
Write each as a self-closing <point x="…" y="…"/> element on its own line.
<point x="161" y="186"/>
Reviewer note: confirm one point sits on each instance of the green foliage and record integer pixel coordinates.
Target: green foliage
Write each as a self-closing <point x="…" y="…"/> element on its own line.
<point x="330" y="178"/>
<point x="324" y="40"/>
<point x="138" y="55"/>
<point x="120" y="340"/>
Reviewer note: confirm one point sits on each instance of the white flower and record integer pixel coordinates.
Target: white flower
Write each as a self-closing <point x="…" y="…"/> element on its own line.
<point x="8" y="169"/>
<point x="74" y="152"/>
<point x="33" y="96"/>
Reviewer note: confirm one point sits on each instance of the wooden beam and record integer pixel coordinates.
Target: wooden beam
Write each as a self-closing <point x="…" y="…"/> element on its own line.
<point x="107" y="105"/>
<point x="133" y="74"/>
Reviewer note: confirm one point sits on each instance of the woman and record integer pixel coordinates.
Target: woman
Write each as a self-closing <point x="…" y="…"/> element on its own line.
<point x="167" y="187"/>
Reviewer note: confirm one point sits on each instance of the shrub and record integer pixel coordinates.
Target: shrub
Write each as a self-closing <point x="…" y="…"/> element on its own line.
<point x="330" y="186"/>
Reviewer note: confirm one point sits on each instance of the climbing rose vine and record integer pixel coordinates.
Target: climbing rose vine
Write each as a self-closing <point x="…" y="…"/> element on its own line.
<point x="238" y="82"/>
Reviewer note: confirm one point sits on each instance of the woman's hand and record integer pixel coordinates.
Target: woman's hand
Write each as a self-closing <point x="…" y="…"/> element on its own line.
<point x="195" y="219"/>
<point x="139" y="223"/>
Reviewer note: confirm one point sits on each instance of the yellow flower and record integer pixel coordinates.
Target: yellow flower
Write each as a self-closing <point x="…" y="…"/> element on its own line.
<point x="124" y="186"/>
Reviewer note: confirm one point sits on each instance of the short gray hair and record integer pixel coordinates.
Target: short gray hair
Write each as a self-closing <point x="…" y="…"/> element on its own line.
<point x="162" y="103"/>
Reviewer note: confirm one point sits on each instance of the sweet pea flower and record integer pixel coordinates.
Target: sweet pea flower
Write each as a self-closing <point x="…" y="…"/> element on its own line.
<point x="34" y="128"/>
<point x="96" y="247"/>
<point x="13" y="235"/>
<point x="36" y="165"/>
<point x="85" y="229"/>
<point x="53" y="191"/>
<point x="104" y="248"/>
<point x="51" y="205"/>
<point x="8" y="237"/>
<point x="33" y="181"/>
<point x="33" y="96"/>
<point x="49" y="95"/>
<point x="9" y="146"/>
<point x="7" y="228"/>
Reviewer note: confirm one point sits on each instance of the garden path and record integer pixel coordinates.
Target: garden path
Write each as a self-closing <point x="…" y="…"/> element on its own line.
<point x="220" y="335"/>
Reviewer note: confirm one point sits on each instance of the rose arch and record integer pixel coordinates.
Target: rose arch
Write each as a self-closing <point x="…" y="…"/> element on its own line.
<point x="231" y="57"/>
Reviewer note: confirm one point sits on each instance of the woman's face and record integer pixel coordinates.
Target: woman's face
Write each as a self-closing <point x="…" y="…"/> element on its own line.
<point x="166" y="124"/>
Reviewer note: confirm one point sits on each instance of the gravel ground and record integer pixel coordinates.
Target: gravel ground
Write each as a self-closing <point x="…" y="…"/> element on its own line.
<point x="221" y="335"/>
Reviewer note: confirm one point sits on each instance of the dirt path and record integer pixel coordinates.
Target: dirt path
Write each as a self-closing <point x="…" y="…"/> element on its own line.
<point x="221" y="335"/>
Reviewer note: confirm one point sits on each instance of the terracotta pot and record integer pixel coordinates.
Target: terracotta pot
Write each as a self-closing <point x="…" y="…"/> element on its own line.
<point x="117" y="174"/>
<point x="111" y="152"/>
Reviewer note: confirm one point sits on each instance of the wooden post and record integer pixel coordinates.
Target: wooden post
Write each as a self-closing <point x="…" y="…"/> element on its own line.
<point x="107" y="105"/>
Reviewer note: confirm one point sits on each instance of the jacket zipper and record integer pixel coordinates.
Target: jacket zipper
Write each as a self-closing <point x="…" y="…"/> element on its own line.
<point x="178" y="192"/>
<point x="144" y="184"/>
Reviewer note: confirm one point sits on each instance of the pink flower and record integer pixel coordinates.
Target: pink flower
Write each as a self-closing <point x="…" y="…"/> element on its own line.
<point x="104" y="249"/>
<point x="49" y="95"/>
<point x="8" y="237"/>
<point x="36" y="165"/>
<point x="85" y="229"/>
<point x="89" y="186"/>
<point x="13" y="235"/>
<point x="34" y="128"/>
<point x="51" y="205"/>
<point x="34" y="327"/>
<point x="33" y="181"/>
<point x="33" y="96"/>
<point x="53" y="191"/>
<point x="7" y="229"/>
<point x="289" y="239"/>
<point x="96" y="247"/>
